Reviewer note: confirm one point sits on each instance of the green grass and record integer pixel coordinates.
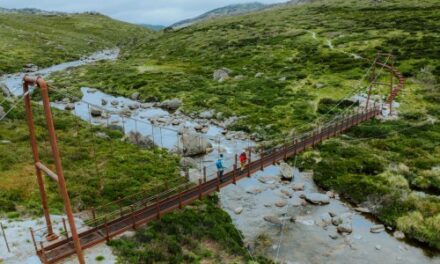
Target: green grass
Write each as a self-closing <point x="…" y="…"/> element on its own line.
<point x="51" y="39"/>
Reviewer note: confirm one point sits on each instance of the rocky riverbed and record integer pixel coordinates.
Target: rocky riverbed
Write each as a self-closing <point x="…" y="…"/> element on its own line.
<point x="296" y="222"/>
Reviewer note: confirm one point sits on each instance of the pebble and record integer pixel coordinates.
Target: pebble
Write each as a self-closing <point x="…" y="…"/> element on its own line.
<point x="378" y="247"/>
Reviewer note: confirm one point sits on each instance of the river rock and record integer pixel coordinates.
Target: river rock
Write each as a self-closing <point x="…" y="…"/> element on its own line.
<point x="104" y="102"/>
<point x="139" y="140"/>
<point x="134" y="106"/>
<point x="92" y="90"/>
<point x="298" y="186"/>
<point x="69" y="107"/>
<point x="207" y="114"/>
<point x="266" y="179"/>
<point x="362" y="210"/>
<point x="345" y="228"/>
<point x="333" y="236"/>
<point x="399" y="235"/>
<point x="171" y="104"/>
<point x="65" y="100"/>
<point x="330" y="194"/>
<point x="286" y="192"/>
<point x="221" y="75"/>
<point x="377" y="229"/>
<point x="280" y="203"/>
<point x="4" y="89"/>
<point x="378" y="247"/>
<point x="326" y="219"/>
<point x="115" y="102"/>
<point x="95" y="112"/>
<point x="238" y="210"/>
<point x="272" y="219"/>
<point x="286" y="171"/>
<point x="135" y="96"/>
<point x="253" y="190"/>
<point x="147" y="105"/>
<point x="30" y="67"/>
<point x="317" y="198"/>
<point x="191" y="144"/>
<point x="259" y="75"/>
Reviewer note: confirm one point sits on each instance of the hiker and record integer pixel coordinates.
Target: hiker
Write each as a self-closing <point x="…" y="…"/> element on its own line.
<point x="243" y="160"/>
<point x="220" y="167"/>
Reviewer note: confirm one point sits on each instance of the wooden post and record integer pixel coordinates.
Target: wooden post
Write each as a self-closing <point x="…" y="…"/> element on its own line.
<point x="204" y="174"/>
<point x="262" y="160"/>
<point x="285" y="151"/>
<point x="4" y="236"/>
<point x="94" y="214"/>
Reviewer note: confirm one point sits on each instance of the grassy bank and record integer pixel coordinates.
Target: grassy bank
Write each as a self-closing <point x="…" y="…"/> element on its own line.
<point x="45" y="40"/>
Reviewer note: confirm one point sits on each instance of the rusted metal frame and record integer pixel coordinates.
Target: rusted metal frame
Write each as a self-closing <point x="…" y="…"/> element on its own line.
<point x="204" y="174"/>
<point x="43" y="256"/>
<point x="199" y="187"/>
<point x="218" y="181"/>
<point x="34" y="146"/>
<point x="57" y="160"/>
<point x="234" y="178"/>
<point x="47" y="171"/>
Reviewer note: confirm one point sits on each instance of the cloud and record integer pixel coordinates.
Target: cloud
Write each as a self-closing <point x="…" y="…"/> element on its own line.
<point x="164" y="12"/>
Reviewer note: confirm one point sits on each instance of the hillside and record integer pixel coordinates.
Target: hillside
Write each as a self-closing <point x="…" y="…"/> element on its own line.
<point x="286" y="65"/>
<point x="229" y="10"/>
<point x="46" y="38"/>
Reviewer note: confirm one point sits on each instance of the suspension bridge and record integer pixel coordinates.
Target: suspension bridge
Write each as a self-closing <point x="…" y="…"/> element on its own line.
<point x="140" y="209"/>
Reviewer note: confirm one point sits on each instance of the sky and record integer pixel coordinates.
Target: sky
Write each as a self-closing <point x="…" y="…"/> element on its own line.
<point x="157" y="12"/>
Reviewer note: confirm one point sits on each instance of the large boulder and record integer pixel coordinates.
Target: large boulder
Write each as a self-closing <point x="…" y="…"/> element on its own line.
<point x="192" y="144"/>
<point x="139" y="140"/>
<point x="2" y="111"/>
<point x="221" y="75"/>
<point x="171" y="104"/>
<point x="4" y="89"/>
<point x="317" y="198"/>
<point x="286" y="171"/>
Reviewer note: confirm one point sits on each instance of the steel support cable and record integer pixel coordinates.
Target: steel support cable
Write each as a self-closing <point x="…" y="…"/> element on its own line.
<point x="15" y="104"/>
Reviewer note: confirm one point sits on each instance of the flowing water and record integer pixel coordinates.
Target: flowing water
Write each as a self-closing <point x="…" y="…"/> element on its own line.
<point x="306" y="240"/>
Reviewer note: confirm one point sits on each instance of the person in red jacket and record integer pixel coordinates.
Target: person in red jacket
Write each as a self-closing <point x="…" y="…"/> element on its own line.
<point x="243" y="160"/>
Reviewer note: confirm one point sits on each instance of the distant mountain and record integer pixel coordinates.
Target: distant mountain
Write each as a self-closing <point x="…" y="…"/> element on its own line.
<point x="229" y="10"/>
<point x="233" y="10"/>
<point x="153" y="27"/>
<point x="29" y="11"/>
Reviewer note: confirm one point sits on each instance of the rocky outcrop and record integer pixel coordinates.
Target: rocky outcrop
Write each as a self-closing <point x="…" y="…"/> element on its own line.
<point x="192" y="144"/>
<point x="171" y="104"/>
<point x="139" y="140"/>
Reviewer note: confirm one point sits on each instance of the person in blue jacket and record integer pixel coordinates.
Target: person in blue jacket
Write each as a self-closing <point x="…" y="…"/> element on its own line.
<point x="220" y="167"/>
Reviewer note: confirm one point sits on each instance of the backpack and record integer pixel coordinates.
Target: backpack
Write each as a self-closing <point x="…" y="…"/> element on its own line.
<point x="219" y="164"/>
